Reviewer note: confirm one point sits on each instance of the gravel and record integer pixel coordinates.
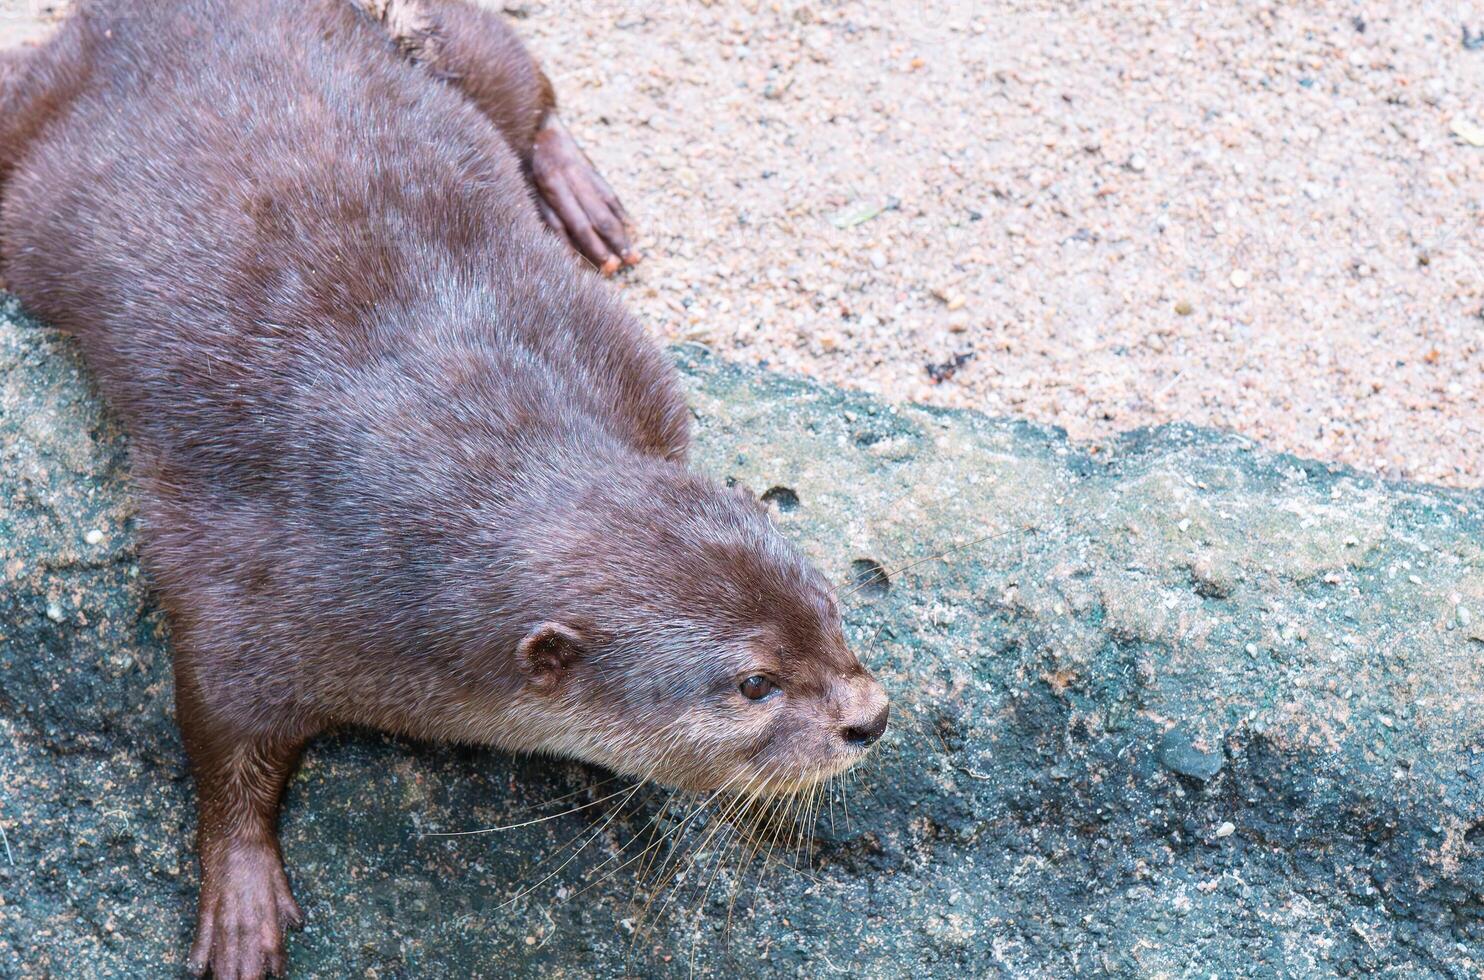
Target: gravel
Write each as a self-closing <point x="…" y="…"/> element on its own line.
<point x="1257" y="217"/>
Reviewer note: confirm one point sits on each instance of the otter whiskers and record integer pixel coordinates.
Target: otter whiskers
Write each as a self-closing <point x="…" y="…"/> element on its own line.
<point x="674" y="861"/>
<point x="603" y="825"/>
<point x="744" y="807"/>
<point x="525" y="823"/>
<point x="759" y="818"/>
<point x="590" y="834"/>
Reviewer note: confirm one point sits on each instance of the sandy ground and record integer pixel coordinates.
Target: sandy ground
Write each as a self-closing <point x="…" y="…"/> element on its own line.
<point x="1263" y="217"/>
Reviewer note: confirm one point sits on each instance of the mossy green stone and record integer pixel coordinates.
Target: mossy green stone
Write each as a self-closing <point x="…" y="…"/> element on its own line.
<point x="1297" y="623"/>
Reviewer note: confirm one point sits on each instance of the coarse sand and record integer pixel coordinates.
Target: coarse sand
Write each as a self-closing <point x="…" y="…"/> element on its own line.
<point x="1263" y="217"/>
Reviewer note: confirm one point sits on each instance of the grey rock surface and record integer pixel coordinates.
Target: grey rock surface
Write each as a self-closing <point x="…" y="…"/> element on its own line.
<point x="1168" y="706"/>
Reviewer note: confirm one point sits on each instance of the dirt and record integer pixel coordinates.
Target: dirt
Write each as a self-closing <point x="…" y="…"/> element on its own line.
<point x="1257" y="217"/>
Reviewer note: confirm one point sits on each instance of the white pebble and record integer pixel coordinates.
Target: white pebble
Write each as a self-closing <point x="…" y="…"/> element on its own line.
<point x="93" y="536"/>
<point x="1226" y="829"/>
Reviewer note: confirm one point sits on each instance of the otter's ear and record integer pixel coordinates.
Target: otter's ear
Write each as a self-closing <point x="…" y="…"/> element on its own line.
<point x="545" y="653"/>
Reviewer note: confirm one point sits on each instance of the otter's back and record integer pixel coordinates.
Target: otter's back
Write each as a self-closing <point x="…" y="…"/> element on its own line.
<point x="250" y="200"/>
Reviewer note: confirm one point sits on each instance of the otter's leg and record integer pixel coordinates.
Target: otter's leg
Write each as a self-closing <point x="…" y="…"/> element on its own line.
<point x="245" y="904"/>
<point x="477" y="52"/>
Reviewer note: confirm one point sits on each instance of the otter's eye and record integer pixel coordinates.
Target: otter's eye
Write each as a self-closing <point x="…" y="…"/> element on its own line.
<point x="757" y="687"/>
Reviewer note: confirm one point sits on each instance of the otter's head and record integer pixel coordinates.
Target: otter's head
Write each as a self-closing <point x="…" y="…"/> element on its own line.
<point x="688" y="642"/>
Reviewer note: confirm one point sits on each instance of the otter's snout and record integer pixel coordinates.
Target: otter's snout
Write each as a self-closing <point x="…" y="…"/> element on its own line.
<point x="867" y="734"/>
<point x="866" y="721"/>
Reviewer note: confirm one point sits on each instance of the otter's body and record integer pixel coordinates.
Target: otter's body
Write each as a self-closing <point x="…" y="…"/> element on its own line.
<point x="401" y="461"/>
<point x="315" y="285"/>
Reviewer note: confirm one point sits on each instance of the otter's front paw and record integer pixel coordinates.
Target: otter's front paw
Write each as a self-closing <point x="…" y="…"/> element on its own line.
<point x="577" y="202"/>
<point x="244" y="909"/>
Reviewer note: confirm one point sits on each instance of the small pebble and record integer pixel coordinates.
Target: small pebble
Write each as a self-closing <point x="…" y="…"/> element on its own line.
<point x="54" y="612"/>
<point x="1184" y="308"/>
<point x="1226" y="829"/>
<point x="1467" y="130"/>
<point x="94" y="536"/>
<point x="1240" y="278"/>
<point x="1178" y="751"/>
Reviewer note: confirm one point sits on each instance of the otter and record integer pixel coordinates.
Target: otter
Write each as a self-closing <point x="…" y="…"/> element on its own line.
<point x="401" y="460"/>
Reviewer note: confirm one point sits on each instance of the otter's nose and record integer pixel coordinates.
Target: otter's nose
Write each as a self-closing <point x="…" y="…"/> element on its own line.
<point x="866" y="734"/>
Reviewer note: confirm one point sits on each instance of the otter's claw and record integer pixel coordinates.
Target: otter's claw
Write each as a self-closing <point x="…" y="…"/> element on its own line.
<point x="577" y="202"/>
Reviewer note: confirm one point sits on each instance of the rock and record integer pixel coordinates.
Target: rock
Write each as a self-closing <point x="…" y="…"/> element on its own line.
<point x="1467" y="130"/>
<point x="1213" y="578"/>
<point x="1027" y="813"/>
<point x="859" y="213"/>
<point x="1179" y="753"/>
